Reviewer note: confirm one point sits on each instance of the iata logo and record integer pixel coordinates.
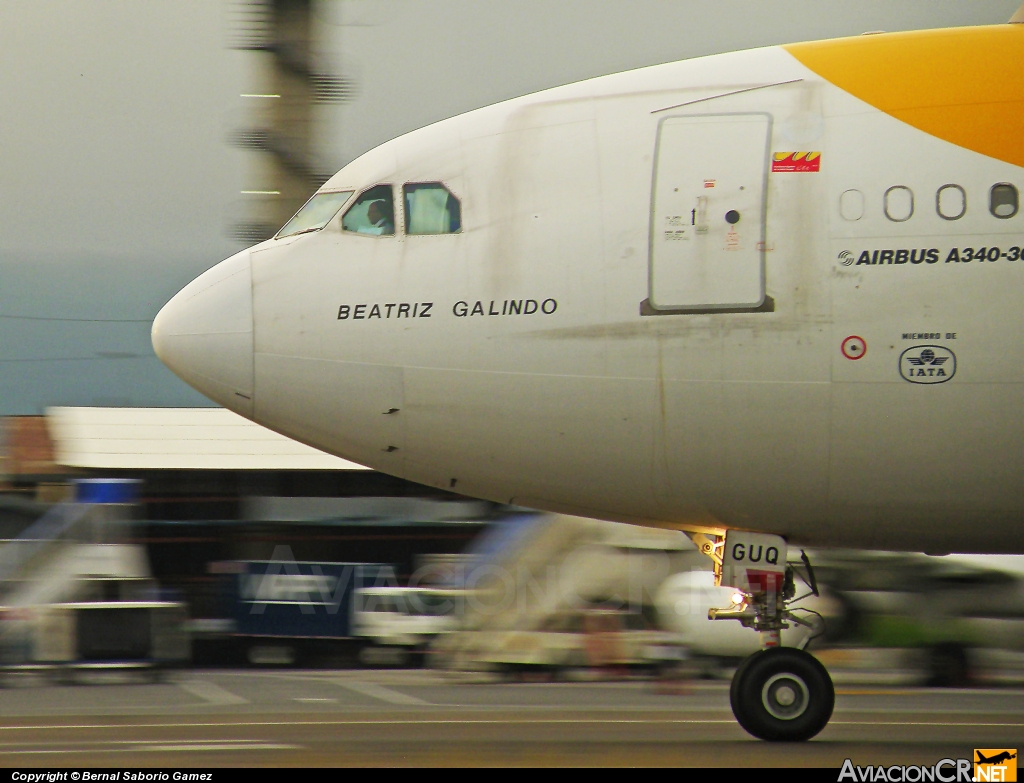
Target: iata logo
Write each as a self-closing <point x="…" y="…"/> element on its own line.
<point x="927" y="364"/>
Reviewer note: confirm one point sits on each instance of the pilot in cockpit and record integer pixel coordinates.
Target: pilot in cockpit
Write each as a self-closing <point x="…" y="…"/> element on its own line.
<point x="380" y="218"/>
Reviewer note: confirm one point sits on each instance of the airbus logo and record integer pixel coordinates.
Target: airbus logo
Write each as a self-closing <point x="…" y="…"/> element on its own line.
<point x="846" y="258"/>
<point x="927" y="364"/>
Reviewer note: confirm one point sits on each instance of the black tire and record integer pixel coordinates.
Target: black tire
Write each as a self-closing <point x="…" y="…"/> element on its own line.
<point x="735" y="684"/>
<point x="767" y="680"/>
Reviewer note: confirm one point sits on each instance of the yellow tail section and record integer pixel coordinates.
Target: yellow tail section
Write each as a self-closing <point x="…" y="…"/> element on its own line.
<point x="965" y="85"/>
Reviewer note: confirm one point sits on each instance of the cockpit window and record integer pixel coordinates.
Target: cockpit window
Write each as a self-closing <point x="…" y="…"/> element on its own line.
<point x="315" y="213"/>
<point x="373" y="213"/>
<point x="430" y="208"/>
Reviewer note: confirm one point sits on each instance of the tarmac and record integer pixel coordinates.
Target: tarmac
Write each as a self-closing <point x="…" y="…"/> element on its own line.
<point x="268" y="718"/>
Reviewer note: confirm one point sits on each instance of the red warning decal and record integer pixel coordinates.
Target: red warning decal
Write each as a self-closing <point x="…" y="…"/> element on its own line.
<point x="796" y="161"/>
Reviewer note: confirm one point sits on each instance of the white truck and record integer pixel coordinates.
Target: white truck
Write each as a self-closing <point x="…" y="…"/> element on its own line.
<point x="399" y="622"/>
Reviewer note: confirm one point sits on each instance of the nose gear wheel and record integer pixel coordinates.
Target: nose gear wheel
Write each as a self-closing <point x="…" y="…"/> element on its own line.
<point x="782" y="695"/>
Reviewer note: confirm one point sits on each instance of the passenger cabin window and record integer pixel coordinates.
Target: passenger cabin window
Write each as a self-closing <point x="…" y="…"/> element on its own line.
<point x="951" y="202"/>
<point x="899" y="203"/>
<point x="373" y="213"/>
<point x="1003" y="201"/>
<point x="851" y="205"/>
<point x="430" y="208"/>
<point x="315" y="213"/>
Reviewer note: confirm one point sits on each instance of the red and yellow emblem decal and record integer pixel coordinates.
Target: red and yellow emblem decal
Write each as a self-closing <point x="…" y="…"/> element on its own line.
<point x="796" y="161"/>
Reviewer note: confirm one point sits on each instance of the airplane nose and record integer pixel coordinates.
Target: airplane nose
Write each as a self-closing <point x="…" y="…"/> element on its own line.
<point x="204" y="334"/>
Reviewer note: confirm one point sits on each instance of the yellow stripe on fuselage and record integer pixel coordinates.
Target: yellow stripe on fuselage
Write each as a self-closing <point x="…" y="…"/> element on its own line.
<point x="964" y="85"/>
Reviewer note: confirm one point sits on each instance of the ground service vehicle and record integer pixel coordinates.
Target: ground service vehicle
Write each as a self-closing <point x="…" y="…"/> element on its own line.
<point x="397" y="621"/>
<point x="279" y="608"/>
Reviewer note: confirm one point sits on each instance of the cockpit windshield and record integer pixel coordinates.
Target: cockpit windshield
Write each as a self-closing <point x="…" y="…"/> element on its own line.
<point x="315" y="213"/>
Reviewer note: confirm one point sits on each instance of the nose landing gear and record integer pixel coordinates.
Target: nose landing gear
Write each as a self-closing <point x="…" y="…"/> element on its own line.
<point x="779" y="694"/>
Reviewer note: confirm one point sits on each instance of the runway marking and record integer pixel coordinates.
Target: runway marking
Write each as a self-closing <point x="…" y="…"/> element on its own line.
<point x="216" y="746"/>
<point x="913" y="723"/>
<point x="375" y="691"/>
<point x="150" y="747"/>
<point x="481" y="721"/>
<point x="211" y="692"/>
<point x="137" y="742"/>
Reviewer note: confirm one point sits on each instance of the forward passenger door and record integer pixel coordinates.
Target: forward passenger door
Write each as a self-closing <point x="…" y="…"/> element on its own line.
<point x="708" y="212"/>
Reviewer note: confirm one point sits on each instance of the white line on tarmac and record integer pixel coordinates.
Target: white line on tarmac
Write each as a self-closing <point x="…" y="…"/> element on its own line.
<point x="211" y="692"/>
<point x="214" y="746"/>
<point x="131" y="742"/>
<point x="469" y="721"/>
<point x="152" y="748"/>
<point x="915" y="723"/>
<point x="375" y="691"/>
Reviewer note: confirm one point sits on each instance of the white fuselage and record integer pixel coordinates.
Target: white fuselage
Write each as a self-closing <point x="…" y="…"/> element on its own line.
<point x="587" y="344"/>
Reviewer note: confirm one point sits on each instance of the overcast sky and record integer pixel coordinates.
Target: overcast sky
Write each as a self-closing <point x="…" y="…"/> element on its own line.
<point x="116" y="185"/>
<point x="419" y="61"/>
